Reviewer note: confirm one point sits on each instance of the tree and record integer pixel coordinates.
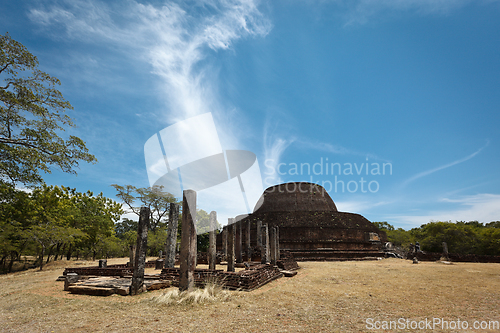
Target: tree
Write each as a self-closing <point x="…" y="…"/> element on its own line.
<point x="32" y="113"/>
<point x="154" y="198"/>
<point x="15" y="215"/>
<point x="52" y="219"/>
<point x="96" y="217"/>
<point x="384" y="226"/>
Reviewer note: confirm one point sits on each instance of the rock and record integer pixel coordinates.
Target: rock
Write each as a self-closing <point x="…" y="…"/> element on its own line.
<point x="71" y="278"/>
<point x="289" y="273"/>
<point x="90" y="290"/>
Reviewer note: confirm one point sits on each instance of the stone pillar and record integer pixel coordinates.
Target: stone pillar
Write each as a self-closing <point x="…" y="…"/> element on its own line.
<point x="69" y="279"/>
<point x="259" y="237"/>
<point x="188" y="241"/>
<point x="224" y="242"/>
<point x="159" y="263"/>
<point x="137" y="286"/>
<point x="265" y="244"/>
<point x="445" y="250"/>
<point x="278" y="253"/>
<point x="272" y="245"/>
<point x="211" y="241"/>
<point x="247" y="241"/>
<point x="173" y="222"/>
<point x="238" y="245"/>
<point x="131" y="255"/>
<point x="231" y="235"/>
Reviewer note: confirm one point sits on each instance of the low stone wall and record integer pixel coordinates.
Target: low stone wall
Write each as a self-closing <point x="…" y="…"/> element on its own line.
<point x="287" y="261"/>
<point x="201" y="276"/>
<point x="202" y="258"/>
<point x="110" y="270"/>
<point x="251" y="278"/>
<point x="432" y="256"/>
<point x="247" y="280"/>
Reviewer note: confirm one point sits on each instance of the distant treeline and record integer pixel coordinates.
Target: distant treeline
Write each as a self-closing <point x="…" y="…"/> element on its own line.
<point x="461" y="237"/>
<point x="52" y="222"/>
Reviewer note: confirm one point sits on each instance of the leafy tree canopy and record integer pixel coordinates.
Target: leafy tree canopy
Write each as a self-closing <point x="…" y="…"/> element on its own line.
<point x="32" y="114"/>
<point x="157" y="200"/>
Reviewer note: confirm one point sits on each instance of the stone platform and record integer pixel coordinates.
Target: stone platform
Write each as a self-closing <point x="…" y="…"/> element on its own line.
<point x="106" y="286"/>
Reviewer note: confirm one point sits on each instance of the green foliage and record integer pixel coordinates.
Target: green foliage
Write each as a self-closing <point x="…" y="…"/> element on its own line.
<point x="124" y="227"/>
<point x="50" y="218"/>
<point x="154" y="198"/>
<point x="384" y="226"/>
<point x="462" y="237"/>
<point x="32" y="114"/>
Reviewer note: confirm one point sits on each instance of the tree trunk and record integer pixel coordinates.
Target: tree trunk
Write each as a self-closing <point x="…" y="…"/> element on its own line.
<point x="68" y="255"/>
<point x="58" y="249"/>
<point x="13" y="255"/>
<point x="62" y="251"/>
<point x="50" y="253"/>
<point x="3" y="260"/>
<point x="42" y="252"/>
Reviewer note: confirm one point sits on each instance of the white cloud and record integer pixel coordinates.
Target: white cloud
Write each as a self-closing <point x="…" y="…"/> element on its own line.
<point x="480" y="207"/>
<point x="173" y="39"/>
<point x="358" y="206"/>
<point x="445" y="166"/>
<point x="334" y="149"/>
<point x="362" y="11"/>
<point x="274" y="147"/>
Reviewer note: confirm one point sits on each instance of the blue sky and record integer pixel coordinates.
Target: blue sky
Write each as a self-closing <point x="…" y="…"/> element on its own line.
<point x="410" y="84"/>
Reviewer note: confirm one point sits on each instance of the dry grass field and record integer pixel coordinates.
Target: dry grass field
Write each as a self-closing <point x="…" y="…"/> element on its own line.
<point x="322" y="297"/>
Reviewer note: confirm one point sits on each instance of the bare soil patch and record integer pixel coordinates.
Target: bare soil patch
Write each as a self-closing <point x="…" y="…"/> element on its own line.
<point x="322" y="297"/>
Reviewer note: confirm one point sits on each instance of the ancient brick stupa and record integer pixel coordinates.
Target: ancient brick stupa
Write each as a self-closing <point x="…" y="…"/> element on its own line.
<point x="311" y="227"/>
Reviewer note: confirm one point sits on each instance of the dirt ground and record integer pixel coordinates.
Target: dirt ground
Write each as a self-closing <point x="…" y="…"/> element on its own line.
<point x="322" y="297"/>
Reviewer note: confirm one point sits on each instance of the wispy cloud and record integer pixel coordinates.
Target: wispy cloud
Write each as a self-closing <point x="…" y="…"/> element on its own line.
<point x="275" y="143"/>
<point x="305" y="143"/>
<point x="173" y="39"/>
<point x="442" y="167"/>
<point x="362" y="11"/>
<point x="360" y="206"/>
<point x="482" y="207"/>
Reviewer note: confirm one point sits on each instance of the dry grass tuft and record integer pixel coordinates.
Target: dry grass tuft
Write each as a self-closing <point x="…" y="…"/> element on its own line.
<point x="212" y="292"/>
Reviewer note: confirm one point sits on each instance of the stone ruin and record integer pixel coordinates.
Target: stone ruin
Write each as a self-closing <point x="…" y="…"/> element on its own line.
<point x="130" y="279"/>
<point x="309" y="225"/>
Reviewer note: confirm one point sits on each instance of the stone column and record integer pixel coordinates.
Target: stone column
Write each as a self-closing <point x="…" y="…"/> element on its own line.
<point x="265" y="244"/>
<point x="211" y="239"/>
<point x="445" y="250"/>
<point x="173" y="223"/>
<point x="238" y="246"/>
<point x="131" y="255"/>
<point x="231" y="235"/>
<point x="188" y="253"/>
<point x="259" y="237"/>
<point x="140" y="254"/>
<point x="272" y="245"/>
<point x="247" y="241"/>
<point x="278" y="254"/>
<point x="224" y="242"/>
